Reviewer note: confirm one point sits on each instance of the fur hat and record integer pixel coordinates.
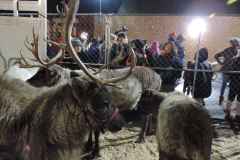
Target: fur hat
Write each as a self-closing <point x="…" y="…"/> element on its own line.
<point x="122" y="27"/>
<point x="180" y="38"/>
<point x="76" y="42"/>
<point x="139" y="43"/>
<point x="234" y="42"/>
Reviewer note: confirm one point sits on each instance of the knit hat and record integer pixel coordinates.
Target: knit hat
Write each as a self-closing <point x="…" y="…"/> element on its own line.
<point x="180" y="38"/>
<point x="139" y="43"/>
<point x="174" y="35"/>
<point x="76" y="42"/>
<point x="123" y="28"/>
<point x="234" y="42"/>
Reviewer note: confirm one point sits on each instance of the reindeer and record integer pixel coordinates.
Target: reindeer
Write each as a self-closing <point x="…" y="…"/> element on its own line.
<point x="51" y="122"/>
<point x="184" y="129"/>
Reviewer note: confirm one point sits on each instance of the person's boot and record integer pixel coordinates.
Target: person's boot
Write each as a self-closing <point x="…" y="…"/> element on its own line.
<point x="228" y="116"/>
<point x="221" y="98"/>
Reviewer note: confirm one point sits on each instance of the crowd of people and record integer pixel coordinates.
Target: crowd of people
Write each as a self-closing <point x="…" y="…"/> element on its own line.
<point x="168" y="60"/>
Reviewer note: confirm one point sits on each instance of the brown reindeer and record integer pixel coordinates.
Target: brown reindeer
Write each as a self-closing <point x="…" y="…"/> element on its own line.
<point x="148" y="106"/>
<point x="125" y="98"/>
<point x="52" y="122"/>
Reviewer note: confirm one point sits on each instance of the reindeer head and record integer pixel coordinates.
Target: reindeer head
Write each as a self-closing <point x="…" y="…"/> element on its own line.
<point x="98" y="103"/>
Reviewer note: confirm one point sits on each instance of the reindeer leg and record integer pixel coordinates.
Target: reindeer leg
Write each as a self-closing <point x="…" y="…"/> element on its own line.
<point x="96" y="150"/>
<point x="89" y="145"/>
<point x="141" y="138"/>
<point x="149" y="127"/>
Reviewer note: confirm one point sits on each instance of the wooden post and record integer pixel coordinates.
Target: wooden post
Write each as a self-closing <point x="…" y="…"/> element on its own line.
<point x="42" y="50"/>
<point x="15" y="8"/>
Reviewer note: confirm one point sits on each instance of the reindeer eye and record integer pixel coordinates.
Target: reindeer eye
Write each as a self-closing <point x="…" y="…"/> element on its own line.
<point x="105" y="103"/>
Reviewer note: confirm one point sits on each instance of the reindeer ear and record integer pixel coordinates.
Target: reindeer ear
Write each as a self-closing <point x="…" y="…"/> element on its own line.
<point x="80" y="85"/>
<point x="74" y="74"/>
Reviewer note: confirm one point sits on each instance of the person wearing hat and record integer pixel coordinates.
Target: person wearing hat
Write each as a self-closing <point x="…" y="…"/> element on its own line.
<point x="116" y="48"/>
<point x="181" y="49"/>
<point x="171" y="38"/>
<point x="203" y="81"/>
<point x="140" y="51"/>
<point x="168" y="59"/>
<point x="77" y="46"/>
<point x="120" y="29"/>
<point x="113" y="38"/>
<point x="224" y="58"/>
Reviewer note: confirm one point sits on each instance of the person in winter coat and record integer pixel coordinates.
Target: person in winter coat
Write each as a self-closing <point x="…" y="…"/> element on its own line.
<point x="186" y="76"/>
<point x="234" y="89"/>
<point x="152" y="53"/>
<point x="181" y="49"/>
<point x="203" y="80"/>
<point x="93" y="52"/>
<point x="227" y="54"/>
<point x="77" y="46"/>
<point x="140" y="52"/>
<point x="168" y="59"/>
<point x="116" y="48"/>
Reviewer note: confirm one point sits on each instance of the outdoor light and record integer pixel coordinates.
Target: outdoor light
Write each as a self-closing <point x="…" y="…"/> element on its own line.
<point x="198" y="25"/>
<point x="84" y="35"/>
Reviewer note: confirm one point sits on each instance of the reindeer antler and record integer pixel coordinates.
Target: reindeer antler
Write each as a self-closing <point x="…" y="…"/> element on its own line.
<point x="33" y="47"/>
<point x="67" y="22"/>
<point x="116" y="59"/>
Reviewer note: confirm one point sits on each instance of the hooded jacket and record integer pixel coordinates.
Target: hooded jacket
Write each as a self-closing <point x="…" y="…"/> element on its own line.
<point x="169" y="61"/>
<point x="203" y="83"/>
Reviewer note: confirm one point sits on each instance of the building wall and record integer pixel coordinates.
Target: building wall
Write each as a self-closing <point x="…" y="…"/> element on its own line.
<point x="219" y="30"/>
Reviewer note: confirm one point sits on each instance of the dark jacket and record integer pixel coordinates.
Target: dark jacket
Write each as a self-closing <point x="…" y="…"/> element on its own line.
<point x="169" y="61"/>
<point x="234" y="77"/>
<point x="181" y="51"/>
<point x="227" y="55"/>
<point x="71" y="63"/>
<point x="115" y="50"/>
<point x="203" y="83"/>
<point x="93" y="54"/>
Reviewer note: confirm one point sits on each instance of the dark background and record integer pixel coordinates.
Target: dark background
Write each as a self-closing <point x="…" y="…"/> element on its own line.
<point x="181" y="7"/>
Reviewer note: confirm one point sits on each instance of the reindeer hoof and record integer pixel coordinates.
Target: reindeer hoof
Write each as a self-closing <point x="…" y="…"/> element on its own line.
<point x="152" y="132"/>
<point x="88" y="147"/>
<point x="140" y="140"/>
<point x="95" y="155"/>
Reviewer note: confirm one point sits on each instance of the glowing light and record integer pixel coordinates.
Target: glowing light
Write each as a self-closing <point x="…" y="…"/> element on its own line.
<point x="212" y="15"/>
<point x="231" y="2"/>
<point x="84" y="35"/>
<point x="197" y="26"/>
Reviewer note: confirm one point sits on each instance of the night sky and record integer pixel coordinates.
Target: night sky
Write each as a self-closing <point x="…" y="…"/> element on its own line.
<point x="89" y="6"/>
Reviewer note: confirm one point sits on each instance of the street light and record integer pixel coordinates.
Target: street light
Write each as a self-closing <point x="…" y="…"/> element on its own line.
<point x="196" y="28"/>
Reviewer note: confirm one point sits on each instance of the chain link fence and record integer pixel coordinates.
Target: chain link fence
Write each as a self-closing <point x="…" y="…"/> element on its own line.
<point x="203" y="80"/>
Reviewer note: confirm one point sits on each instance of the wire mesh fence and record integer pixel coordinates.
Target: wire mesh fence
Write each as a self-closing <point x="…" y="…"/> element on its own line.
<point x="200" y="79"/>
